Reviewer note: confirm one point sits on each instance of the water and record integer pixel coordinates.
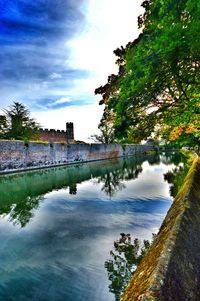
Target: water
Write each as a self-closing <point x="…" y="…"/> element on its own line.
<point x="57" y="226"/>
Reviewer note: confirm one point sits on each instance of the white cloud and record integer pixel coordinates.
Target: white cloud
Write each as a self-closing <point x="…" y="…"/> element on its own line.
<point x="109" y="24"/>
<point x="62" y="100"/>
<point x="85" y="119"/>
<point x="55" y="75"/>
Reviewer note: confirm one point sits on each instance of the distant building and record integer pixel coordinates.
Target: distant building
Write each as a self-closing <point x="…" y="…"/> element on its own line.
<point x="57" y="135"/>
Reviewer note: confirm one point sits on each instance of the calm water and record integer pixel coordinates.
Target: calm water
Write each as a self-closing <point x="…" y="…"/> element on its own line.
<point x="57" y="226"/>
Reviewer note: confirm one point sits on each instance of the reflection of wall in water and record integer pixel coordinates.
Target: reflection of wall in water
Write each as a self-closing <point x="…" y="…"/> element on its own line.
<point x="25" y="190"/>
<point x="20" y="193"/>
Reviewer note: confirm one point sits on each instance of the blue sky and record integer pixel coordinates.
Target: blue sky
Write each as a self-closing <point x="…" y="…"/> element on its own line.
<point x="54" y="53"/>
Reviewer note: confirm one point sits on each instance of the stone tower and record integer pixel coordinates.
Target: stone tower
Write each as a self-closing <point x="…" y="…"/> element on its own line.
<point x="70" y="132"/>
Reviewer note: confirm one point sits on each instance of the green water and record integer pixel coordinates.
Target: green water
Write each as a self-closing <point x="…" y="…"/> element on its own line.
<point x="57" y="226"/>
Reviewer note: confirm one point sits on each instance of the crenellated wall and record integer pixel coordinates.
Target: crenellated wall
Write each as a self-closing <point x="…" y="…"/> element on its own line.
<point x="53" y="135"/>
<point x="19" y="155"/>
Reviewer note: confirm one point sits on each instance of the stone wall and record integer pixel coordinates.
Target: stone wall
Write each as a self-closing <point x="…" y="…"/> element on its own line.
<point x="18" y="155"/>
<point x="52" y="135"/>
<point x="57" y="135"/>
<point x="171" y="269"/>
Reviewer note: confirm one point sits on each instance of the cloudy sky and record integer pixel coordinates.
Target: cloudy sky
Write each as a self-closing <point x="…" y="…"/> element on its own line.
<point x="54" y="53"/>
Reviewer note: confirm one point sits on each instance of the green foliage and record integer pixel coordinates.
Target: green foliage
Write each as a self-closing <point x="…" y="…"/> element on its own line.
<point x="17" y="123"/>
<point x="157" y="86"/>
<point x="106" y="129"/>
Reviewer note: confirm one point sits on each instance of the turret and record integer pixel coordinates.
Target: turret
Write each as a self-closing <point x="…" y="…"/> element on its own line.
<point x="70" y="132"/>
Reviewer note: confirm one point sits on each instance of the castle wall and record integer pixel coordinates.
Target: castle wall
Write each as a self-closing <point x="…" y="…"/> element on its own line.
<point x="52" y="135"/>
<point x="57" y="135"/>
<point x="18" y="155"/>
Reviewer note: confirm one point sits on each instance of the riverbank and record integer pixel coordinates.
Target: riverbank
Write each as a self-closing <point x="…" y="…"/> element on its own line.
<point x="171" y="269"/>
<point x="18" y="156"/>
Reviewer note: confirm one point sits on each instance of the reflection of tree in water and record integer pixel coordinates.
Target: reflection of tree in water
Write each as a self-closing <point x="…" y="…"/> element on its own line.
<point x="173" y="158"/>
<point x="73" y="188"/>
<point x="124" y="261"/>
<point x="176" y="176"/>
<point x="21" y="193"/>
<point x="112" y="180"/>
<point x="153" y="160"/>
<point x="21" y="212"/>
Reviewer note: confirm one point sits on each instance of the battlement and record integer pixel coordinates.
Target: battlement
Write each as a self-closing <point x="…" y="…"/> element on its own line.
<point x="52" y="135"/>
<point x="51" y="131"/>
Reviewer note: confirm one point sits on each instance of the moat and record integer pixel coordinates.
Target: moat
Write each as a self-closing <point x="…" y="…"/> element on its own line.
<point x="57" y="226"/>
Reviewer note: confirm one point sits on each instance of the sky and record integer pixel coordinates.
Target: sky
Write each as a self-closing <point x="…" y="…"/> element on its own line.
<point x="55" y="53"/>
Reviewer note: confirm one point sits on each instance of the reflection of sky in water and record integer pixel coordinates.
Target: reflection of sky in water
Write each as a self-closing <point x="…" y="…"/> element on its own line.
<point x="151" y="182"/>
<point x="60" y="254"/>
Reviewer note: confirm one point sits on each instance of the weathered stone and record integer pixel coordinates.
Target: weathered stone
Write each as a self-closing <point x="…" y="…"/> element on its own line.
<point x="17" y="155"/>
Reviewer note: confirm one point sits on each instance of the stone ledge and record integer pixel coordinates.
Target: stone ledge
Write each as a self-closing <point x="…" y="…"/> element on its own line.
<point x="171" y="269"/>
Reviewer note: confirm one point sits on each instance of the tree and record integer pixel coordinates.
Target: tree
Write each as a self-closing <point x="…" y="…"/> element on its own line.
<point x="19" y="124"/>
<point x="106" y="128"/>
<point x="157" y="87"/>
<point x="3" y="126"/>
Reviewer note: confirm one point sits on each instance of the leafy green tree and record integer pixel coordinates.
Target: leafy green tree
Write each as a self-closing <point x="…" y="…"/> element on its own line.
<point x="106" y="129"/>
<point x="157" y="87"/>
<point x="19" y="123"/>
